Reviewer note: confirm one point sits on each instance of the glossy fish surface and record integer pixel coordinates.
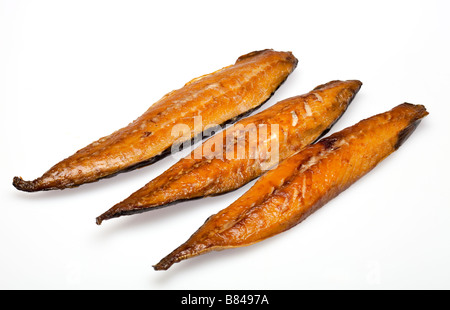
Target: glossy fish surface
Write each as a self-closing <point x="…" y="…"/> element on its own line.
<point x="245" y="150"/>
<point x="219" y="97"/>
<point x="302" y="183"/>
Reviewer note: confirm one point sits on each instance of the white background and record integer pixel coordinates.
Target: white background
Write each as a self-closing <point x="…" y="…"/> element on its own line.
<point x="74" y="71"/>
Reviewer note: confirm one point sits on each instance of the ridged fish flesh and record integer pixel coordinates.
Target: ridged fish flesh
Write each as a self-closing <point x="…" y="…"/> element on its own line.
<point x="219" y="97"/>
<point x="302" y="183"/>
<point x="245" y="150"/>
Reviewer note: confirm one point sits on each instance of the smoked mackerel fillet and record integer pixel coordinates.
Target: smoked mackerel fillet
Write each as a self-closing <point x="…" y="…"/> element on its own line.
<point x="302" y="183"/>
<point x="242" y="152"/>
<point x="219" y="97"/>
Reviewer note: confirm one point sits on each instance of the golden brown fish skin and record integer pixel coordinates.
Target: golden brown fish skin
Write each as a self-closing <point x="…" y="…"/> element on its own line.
<point x="219" y="97"/>
<point x="301" y="120"/>
<point x="301" y="184"/>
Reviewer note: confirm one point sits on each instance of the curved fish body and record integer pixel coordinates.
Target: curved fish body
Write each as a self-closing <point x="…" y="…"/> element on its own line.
<point x="219" y="97"/>
<point x="242" y="152"/>
<point x="301" y="184"/>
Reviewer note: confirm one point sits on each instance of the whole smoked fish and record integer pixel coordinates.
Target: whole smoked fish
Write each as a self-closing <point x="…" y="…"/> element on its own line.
<point x="219" y="97"/>
<point x="301" y="184"/>
<point x="245" y="150"/>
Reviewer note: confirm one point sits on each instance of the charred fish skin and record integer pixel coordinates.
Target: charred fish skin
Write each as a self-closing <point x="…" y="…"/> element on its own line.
<point x="304" y="182"/>
<point x="219" y="97"/>
<point x="221" y="168"/>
